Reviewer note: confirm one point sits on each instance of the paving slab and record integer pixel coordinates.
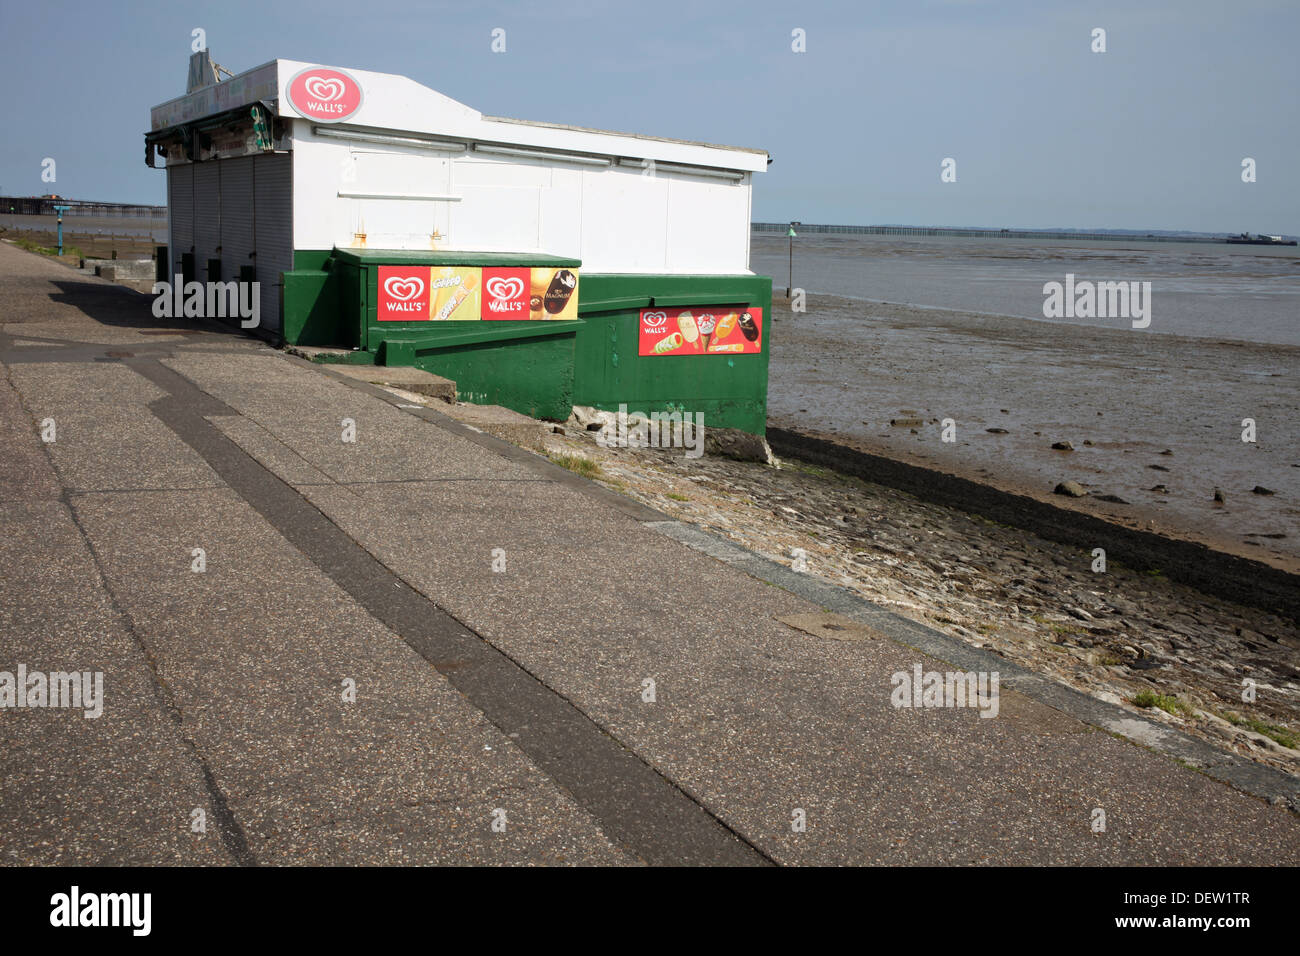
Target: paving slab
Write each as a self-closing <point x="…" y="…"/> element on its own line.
<point x="305" y="410"/>
<point x="117" y="789"/>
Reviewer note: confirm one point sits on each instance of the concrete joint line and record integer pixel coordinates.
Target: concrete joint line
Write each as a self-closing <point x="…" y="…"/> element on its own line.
<point x="632" y="802"/>
<point x="231" y="833"/>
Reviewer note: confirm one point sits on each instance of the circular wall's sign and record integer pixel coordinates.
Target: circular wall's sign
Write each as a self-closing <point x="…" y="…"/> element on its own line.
<point x="324" y="94"/>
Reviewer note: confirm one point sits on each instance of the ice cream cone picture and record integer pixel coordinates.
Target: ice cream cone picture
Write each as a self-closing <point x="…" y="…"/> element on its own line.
<point x="706" y="322"/>
<point x="689" y="329"/>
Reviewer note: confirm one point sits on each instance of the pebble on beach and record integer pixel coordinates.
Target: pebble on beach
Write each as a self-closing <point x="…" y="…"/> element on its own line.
<point x="1071" y="489"/>
<point x="1063" y="446"/>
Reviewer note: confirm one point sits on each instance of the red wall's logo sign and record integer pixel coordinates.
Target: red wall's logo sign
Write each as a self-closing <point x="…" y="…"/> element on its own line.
<point x="324" y="95"/>
<point x="402" y="296"/>
<point x="505" y="293"/>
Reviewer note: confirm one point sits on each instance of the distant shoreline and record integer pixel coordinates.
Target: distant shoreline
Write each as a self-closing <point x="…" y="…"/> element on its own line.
<point x="985" y="232"/>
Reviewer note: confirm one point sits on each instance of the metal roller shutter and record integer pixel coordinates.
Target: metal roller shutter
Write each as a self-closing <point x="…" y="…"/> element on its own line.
<point x="207" y="218"/>
<point x="180" y="212"/>
<point x="236" y="215"/>
<point x="273" y="179"/>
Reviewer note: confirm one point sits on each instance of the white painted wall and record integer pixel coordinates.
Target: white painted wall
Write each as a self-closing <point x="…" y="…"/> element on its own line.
<point x="615" y="219"/>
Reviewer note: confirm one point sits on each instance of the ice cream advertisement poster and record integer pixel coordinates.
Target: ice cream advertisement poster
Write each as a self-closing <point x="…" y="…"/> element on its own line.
<point x="403" y="294"/>
<point x="530" y="293"/>
<point x="470" y="293"/>
<point x="455" y="293"/>
<point x="424" y="293"/>
<point x="701" y="331"/>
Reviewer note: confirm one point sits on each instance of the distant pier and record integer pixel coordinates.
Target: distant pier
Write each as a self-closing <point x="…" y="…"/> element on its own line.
<point x="972" y="233"/>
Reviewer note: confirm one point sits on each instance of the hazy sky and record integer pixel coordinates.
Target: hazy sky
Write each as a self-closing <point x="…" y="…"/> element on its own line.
<point x="1150" y="134"/>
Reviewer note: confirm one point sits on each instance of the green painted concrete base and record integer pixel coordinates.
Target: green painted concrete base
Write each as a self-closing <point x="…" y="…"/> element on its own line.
<point x="541" y="369"/>
<point x="537" y="379"/>
<point x="730" y="391"/>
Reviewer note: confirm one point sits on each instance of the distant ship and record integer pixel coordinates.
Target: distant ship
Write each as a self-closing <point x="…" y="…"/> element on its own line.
<point x="1246" y="239"/>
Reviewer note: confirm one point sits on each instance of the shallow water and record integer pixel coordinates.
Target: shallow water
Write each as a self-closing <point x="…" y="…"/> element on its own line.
<point x="1247" y="293"/>
<point x="1122" y="398"/>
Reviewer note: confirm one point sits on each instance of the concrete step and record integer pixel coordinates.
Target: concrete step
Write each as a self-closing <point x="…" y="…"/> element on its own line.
<point x="503" y="423"/>
<point x="404" y="377"/>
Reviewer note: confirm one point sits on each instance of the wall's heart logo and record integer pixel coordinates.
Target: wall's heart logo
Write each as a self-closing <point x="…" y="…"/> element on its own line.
<point x="324" y="89"/>
<point x="324" y="94"/>
<point x="500" y="288"/>
<point x="654" y="320"/>
<point x="404" y="289"/>
<point x="505" y="293"/>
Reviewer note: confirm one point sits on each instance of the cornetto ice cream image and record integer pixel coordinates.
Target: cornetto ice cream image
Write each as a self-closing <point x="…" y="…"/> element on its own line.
<point x="559" y="291"/>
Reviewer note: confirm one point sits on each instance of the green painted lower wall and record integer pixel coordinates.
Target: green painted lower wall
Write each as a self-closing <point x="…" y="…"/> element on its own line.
<point x="311" y="311"/>
<point x="542" y="369"/>
<point x="730" y="391"/>
<point x="533" y="376"/>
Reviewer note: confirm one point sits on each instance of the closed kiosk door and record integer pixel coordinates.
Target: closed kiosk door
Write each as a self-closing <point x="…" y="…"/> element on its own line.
<point x="207" y="217"/>
<point x="236" y="215"/>
<point x="273" y="223"/>
<point x="180" y="211"/>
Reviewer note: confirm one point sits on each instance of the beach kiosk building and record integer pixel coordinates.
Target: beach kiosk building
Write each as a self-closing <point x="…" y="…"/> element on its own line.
<point x="537" y="265"/>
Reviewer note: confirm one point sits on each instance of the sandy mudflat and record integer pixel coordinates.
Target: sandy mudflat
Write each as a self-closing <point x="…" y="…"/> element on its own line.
<point x="846" y="368"/>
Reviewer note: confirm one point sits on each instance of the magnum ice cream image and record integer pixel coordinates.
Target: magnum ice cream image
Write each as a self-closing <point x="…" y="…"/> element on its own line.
<point x="559" y="291"/>
<point x="748" y="328"/>
<point x="553" y="294"/>
<point x="690" y="330"/>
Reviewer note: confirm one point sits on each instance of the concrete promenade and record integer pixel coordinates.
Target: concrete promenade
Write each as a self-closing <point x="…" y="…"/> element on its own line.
<point x="498" y="621"/>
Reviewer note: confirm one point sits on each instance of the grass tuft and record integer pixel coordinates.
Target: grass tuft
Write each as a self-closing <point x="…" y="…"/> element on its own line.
<point x="578" y="464"/>
<point x="1169" y="704"/>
